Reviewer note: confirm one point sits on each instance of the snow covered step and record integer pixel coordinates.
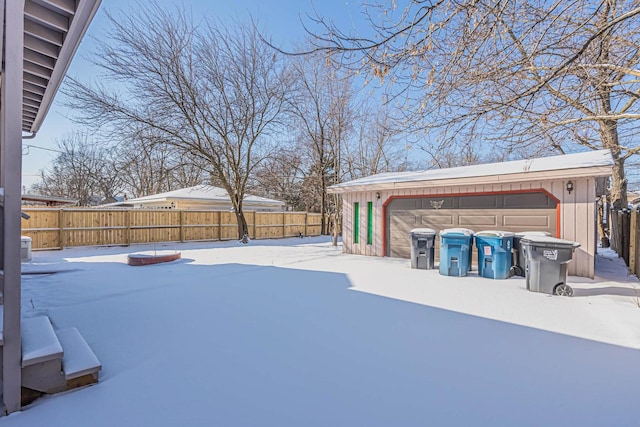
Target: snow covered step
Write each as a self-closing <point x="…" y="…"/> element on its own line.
<point x="39" y="341"/>
<point x="78" y="359"/>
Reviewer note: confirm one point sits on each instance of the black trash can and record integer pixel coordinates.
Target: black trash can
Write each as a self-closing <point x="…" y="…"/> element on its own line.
<point x="519" y="259"/>
<point x="422" y="248"/>
<point x="546" y="266"/>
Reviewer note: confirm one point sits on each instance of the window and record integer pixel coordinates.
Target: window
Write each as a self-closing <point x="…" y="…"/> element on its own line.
<point x="356" y="222"/>
<point x="369" y="223"/>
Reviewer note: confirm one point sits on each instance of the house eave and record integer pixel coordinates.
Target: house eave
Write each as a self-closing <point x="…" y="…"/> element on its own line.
<point x="596" y="171"/>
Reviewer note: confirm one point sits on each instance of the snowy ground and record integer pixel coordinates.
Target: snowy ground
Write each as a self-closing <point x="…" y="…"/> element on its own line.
<point x="295" y="333"/>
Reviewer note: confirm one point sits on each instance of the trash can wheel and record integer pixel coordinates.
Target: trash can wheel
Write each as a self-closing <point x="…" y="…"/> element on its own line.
<point x="563" y="290"/>
<point x="516" y="270"/>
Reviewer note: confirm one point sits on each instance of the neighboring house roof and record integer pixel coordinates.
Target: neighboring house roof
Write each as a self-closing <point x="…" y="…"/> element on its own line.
<point x="591" y="163"/>
<point x="49" y="200"/>
<point x="200" y="193"/>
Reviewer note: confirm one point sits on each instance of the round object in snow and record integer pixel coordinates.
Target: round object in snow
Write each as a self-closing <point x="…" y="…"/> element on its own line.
<point x="152" y="258"/>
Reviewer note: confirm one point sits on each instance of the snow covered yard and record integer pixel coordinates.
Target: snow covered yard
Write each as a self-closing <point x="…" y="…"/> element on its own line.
<point x="295" y="333"/>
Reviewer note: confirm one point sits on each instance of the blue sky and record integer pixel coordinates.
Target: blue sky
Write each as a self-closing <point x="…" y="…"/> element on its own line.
<point x="280" y="18"/>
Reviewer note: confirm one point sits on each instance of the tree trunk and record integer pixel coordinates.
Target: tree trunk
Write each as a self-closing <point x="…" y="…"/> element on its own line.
<point x="243" y="228"/>
<point x="618" y="184"/>
<point x="323" y="209"/>
<point x="338" y="219"/>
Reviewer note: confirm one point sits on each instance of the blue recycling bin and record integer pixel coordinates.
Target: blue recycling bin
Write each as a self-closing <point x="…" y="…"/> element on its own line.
<point x="494" y="253"/>
<point x="455" y="251"/>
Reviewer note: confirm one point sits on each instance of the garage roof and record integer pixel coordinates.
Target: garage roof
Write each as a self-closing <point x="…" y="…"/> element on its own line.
<point x="591" y="163"/>
<point x="52" y="32"/>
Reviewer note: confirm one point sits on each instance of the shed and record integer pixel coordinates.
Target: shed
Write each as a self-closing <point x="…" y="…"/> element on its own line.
<point x="555" y="194"/>
<point x="200" y="197"/>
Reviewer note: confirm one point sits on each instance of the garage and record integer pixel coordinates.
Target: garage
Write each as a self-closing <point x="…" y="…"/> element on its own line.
<point x="556" y="194"/>
<point x="531" y="211"/>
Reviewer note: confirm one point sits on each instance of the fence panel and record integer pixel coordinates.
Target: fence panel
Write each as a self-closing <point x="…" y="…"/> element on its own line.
<point x="200" y="225"/>
<point x="624" y="228"/>
<point x="634" y="235"/>
<point x="295" y="224"/>
<point x="83" y="227"/>
<point x="314" y="224"/>
<point x="625" y="238"/>
<point x="154" y="225"/>
<point x="270" y="225"/>
<point x="57" y="228"/>
<point x="614" y="240"/>
<point x="43" y="227"/>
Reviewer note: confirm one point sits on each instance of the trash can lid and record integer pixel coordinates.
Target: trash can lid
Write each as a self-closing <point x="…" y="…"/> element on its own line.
<point x="549" y="240"/>
<point x="25" y="238"/>
<point x="427" y="231"/>
<point x="532" y="233"/>
<point x="494" y="233"/>
<point x="457" y="231"/>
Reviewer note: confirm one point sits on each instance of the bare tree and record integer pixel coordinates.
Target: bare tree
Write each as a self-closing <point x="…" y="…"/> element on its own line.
<point x="82" y="170"/>
<point x="377" y="147"/>
<point x="280" y="177"/>
<point x="323" y="115"/>
<point x="149" y="166"/>
<point x="212" y="92"/>
<point x="526" y="76"/>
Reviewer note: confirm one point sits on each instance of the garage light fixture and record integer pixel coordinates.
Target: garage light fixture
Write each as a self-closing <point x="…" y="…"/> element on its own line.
<point x="569" y="187"/>
<point x="378" y="195"/>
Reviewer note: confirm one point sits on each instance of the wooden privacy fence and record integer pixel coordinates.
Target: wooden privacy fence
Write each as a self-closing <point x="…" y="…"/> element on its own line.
<point x="59" y="228"/>
<point x="624" y="231"/>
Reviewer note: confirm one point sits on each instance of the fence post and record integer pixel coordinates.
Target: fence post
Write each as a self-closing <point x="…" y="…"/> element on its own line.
<point x="255" y="219"/>
<point x="128" y="224"/>
<point x="618" y="215"/>
<point x="181" y="225"/>
<point x="306" y="223"/>
<point x="625" y="236"/>
<point x="219" y="225"/>
<point x="61" y="226"/>
<point x="632" y="241"/>
<point x="284" y="225"/>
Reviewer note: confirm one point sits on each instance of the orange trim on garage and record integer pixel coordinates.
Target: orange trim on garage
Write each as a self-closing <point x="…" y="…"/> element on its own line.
<point x="485" y="193"/>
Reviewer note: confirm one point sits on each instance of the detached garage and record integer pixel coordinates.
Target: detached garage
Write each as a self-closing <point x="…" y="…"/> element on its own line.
<point x="554" y="194"/>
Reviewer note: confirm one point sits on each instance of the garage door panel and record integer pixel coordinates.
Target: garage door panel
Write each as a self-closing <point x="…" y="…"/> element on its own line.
<point x="528" y="200"/>
<point x="514" y="212"/>
<point x="401" y="225"/>
<point x="437" y="220"/>
<point x="439" y="203"/>
<point x="525" y="221"/>
<point x="406" y="204"/>
<point x="479" y="202"/>
<point x="478" y="220"/>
